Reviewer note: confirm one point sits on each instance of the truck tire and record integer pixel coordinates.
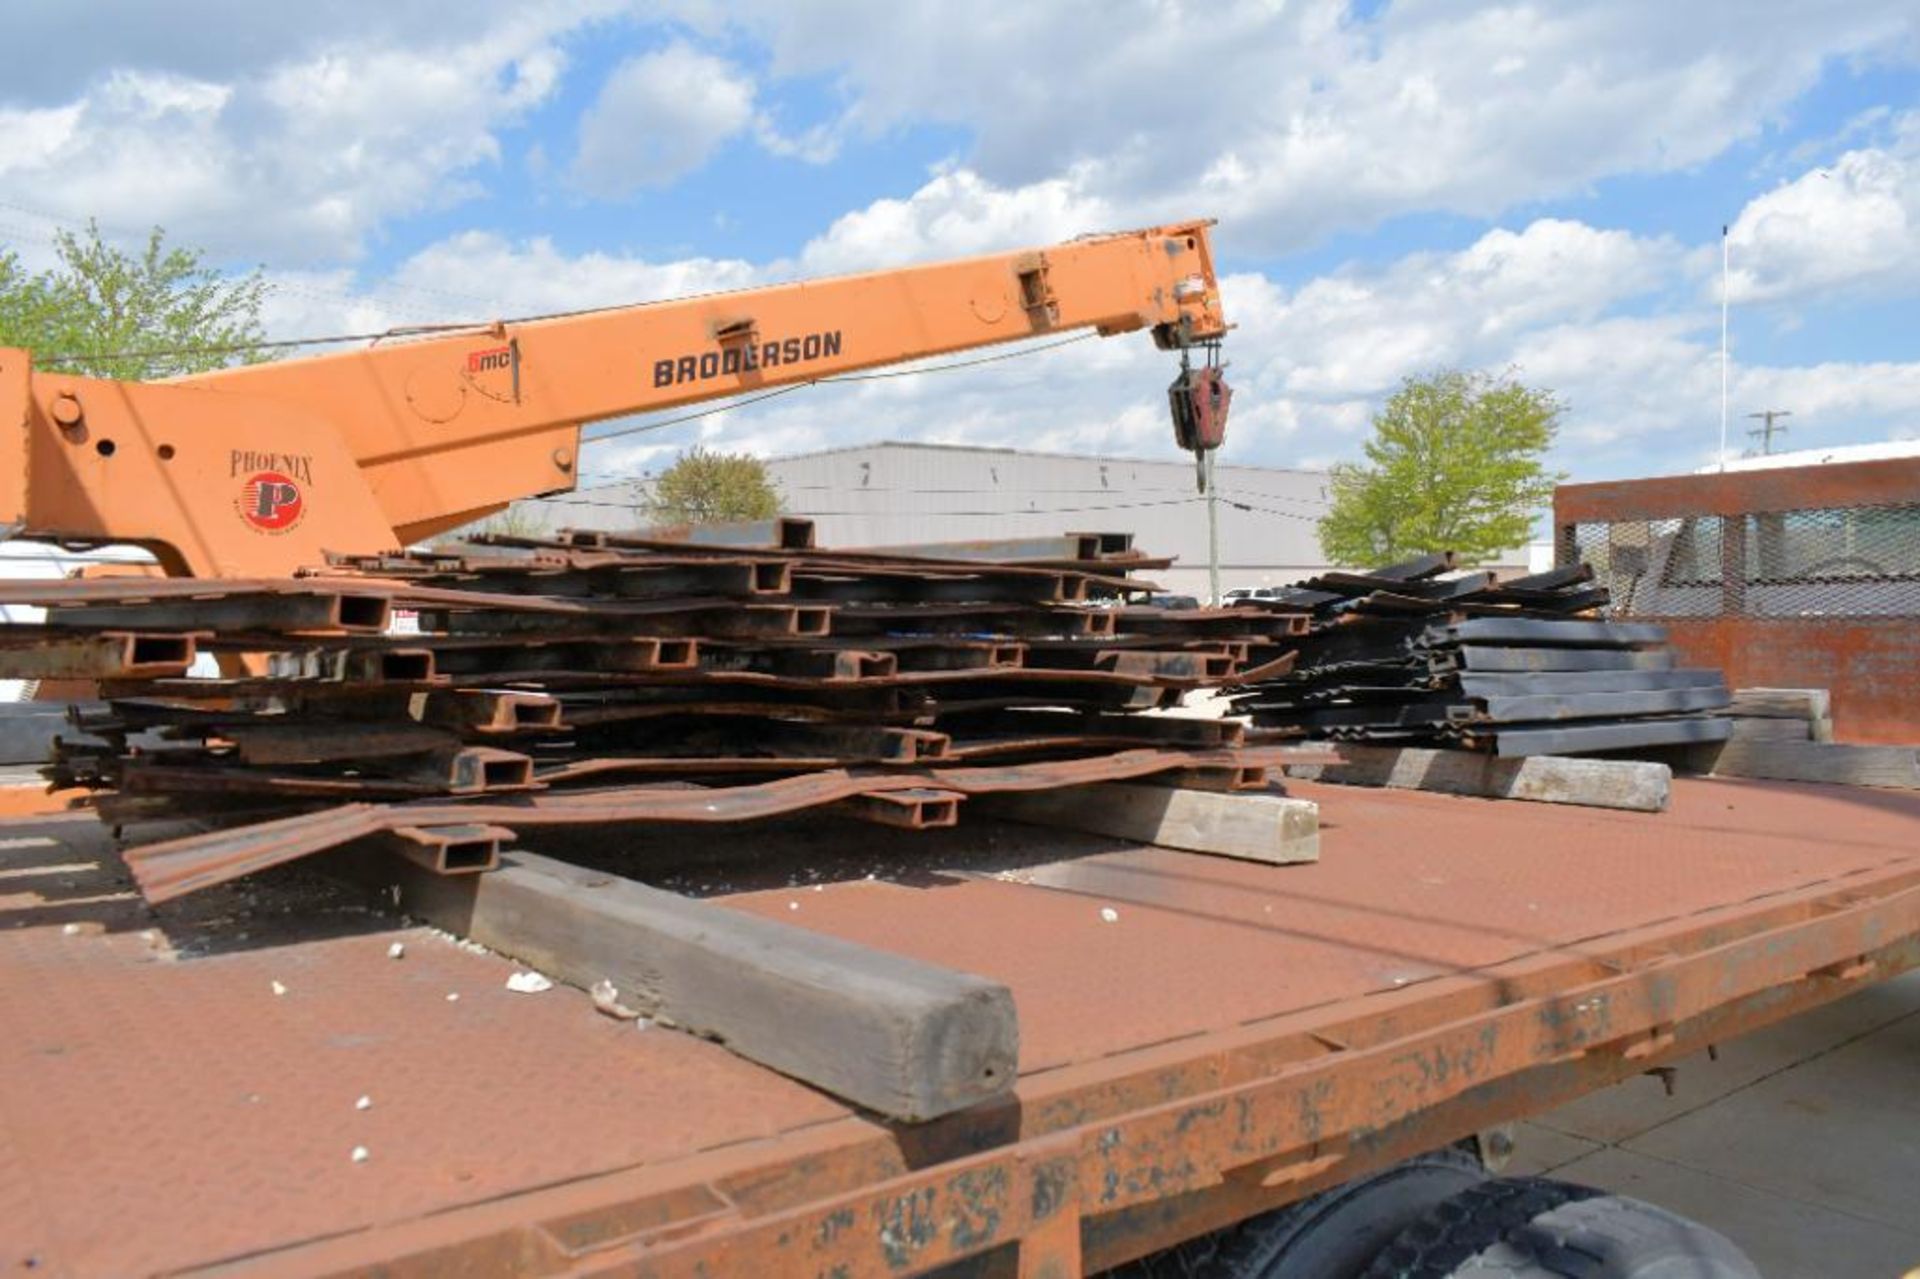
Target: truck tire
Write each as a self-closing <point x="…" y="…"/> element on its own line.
<point x="1332" y="1235"/>
<point x="1536" y="1228"/>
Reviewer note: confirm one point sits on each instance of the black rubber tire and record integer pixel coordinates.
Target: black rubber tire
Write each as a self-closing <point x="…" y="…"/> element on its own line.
<point x="1332" y="1235"/>
<point x="1537" y="1228"/>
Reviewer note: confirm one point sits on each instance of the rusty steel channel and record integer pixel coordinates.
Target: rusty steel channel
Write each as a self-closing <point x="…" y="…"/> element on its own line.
<point x="533" y="663"/>
<point x="170" y="868"/>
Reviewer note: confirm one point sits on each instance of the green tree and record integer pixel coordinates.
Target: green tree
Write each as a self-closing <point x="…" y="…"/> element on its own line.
<point x="712" y="488"/>
<point x="106" y="312"/>
<point x="1455" y="463"/>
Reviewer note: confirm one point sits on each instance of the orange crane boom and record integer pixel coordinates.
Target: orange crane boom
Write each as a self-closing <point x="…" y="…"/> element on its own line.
<point x="261" y="469"/>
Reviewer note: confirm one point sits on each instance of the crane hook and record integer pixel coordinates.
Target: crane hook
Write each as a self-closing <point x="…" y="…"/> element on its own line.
<point x="1199" y="399"/>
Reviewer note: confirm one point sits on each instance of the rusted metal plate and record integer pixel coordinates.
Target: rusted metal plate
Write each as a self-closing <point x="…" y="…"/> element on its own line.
<point x="1870" y="665"/>
<point x="1784" y="577"/>
<point x="1788" y="488"/>
<point x="1400" y="985"/>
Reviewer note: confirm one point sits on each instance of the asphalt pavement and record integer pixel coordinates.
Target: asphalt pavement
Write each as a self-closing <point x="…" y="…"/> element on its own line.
<point x="1801" y="1143"/>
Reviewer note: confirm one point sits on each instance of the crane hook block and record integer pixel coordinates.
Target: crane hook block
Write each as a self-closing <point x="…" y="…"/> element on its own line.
<point x="1199" y="398"/>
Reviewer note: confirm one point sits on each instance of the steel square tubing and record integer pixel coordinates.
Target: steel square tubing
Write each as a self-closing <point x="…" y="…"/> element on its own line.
<point x="1196" y="623"/>
<point x="976" y="620"/>
<point x="583" y="575"/>
<point x="689" y="619"/>
<point x="173" y="867"/>
<point x="883" y="586"/>
<point x="31" y="652"/>
<point x="311" y="613"/>
<point x="783" y="532"/>
<point x="1068" y="546"/>
<point x="559" y="656"/>
<point x="342" y="605"/>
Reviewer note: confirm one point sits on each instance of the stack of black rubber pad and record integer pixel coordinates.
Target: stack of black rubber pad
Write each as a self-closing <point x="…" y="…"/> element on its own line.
<point x="1522" y="667"/>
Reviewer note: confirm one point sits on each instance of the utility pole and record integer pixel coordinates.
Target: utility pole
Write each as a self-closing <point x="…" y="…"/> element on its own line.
<point x="1213" y="529"/>
<point x="1765" y="432"/>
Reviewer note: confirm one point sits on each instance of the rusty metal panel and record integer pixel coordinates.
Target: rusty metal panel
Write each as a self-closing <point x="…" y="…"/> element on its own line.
<point x="1871" y="666"/>
<point x="1890" y="482"/>
<point x="1787" y="577"/>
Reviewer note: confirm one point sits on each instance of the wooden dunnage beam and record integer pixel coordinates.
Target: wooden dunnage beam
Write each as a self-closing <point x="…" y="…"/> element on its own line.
<point x="1781" y="703"/>
<point x="1789" y="761"/>
<point x="1634" y="785"/>
<point x="1244" y="825"/>
<point x="907" y="1039"/>
<point x="1766" y="728"/>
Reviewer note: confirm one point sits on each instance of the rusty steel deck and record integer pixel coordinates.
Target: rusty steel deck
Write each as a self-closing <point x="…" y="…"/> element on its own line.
<point x="1234" y="1036"/>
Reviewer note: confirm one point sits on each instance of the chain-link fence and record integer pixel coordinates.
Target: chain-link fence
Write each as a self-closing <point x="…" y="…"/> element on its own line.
<point x="1855" y="561"/>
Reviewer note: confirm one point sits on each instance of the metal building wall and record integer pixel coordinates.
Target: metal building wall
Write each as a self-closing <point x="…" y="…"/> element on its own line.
<point x="881" y="494"/>
<point x="892" y="493"/>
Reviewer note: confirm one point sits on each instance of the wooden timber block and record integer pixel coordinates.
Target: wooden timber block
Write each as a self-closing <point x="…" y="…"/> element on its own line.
<point x="1785" y="761"/>
<point x="1761" y="728"/>
<point x="908" y="1039"/>
<point x="1636" y="785"/>
<point x="1251" y="826"/>
<point x="1781" y="703"/>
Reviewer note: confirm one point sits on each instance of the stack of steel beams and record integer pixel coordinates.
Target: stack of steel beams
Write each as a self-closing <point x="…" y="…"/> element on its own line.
<point x="587" y="676"/>
<point x="1521" y="667"/>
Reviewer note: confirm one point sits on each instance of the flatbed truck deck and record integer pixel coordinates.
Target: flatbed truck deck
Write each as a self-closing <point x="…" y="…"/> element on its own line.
<point x="1201" y="1039"/>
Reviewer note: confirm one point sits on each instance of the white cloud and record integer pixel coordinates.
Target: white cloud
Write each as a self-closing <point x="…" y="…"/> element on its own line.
<point x="955" y="214"/>
<point x="478" y="276"/>
<point x="1293" y="121"/>
<point x="1851" y="227"/>
<point x="1602" y="317"/>
<point x="659" y="117"/>
<point x="1288" y="121"/>
<point x="301" y="158"/>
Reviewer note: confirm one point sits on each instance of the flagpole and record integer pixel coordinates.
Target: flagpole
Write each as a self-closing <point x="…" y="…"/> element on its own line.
<point x="1723" y="344"/>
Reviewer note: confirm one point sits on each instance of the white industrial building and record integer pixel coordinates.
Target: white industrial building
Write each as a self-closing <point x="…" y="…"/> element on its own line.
<point x="891" y="493"/>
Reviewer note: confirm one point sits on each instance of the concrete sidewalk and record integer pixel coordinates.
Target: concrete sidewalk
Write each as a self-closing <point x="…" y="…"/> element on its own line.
<point x="1801" y="1143"/>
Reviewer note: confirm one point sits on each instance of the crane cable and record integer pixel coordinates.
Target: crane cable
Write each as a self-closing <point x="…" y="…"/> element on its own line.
<point x="439" y="329"/>
<point x="841" y="377"/>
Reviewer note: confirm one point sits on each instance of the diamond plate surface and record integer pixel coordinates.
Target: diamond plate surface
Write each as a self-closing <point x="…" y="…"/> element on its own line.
<point x="161" y="1106"/>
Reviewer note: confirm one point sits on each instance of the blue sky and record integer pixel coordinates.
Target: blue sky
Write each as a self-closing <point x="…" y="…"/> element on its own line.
<point x="1400" y="187"/>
